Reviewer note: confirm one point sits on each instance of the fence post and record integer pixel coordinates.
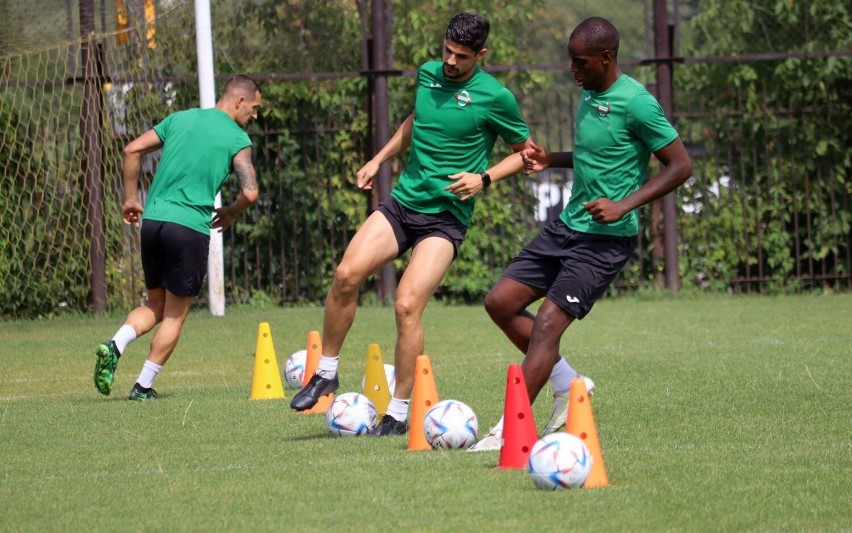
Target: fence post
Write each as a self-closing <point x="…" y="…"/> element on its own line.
<point x="92" y="147"/>
<point x="663" y="40"/>
<point x="387" y="275"/>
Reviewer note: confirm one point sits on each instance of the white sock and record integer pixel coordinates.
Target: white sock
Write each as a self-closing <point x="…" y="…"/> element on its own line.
<point x="327" y="367"/>
<point x="562" y="376"/>
<point x="398" y="409"/>
<point x="498" y="427"/>
<point x="148" y="374"/>
<point x="124" y="336"/>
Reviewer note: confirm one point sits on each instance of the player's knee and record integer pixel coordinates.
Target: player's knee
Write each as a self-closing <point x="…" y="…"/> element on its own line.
<point x="550" y="323"/>
<point x="406" y="309"/>
<point x="494" y="307"/>
<point x="346" y="279"/>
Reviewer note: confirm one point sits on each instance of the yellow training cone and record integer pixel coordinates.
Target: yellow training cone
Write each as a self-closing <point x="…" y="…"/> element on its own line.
<point x="266" y="381"/>
<point x="375" y="380"/>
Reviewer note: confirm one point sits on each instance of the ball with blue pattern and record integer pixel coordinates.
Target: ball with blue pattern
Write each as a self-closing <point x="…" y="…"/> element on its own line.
<point x="351" y="415"/>
<point x="559" y="461"/>
<point x="450" y="425"/>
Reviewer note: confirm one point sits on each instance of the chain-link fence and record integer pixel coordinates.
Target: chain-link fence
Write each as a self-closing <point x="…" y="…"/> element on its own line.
<point x="768" y="207"/>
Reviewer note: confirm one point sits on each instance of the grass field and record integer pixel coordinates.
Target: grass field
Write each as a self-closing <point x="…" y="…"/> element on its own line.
<point x="714" y="414"/>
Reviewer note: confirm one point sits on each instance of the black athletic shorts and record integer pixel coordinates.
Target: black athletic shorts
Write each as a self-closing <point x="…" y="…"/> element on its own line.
<point x="411" y="227"/>
<point x="574" y="268"/>
<point x="174" y="257"/>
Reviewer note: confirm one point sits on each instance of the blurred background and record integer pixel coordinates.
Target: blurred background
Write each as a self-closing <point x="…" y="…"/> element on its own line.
<point x="758" y="90"/>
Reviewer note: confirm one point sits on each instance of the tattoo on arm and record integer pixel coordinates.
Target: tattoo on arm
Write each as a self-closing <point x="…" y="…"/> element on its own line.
<point x="244" y="169"/>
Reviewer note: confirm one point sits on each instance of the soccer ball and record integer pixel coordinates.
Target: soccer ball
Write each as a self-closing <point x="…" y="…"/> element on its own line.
<point x="351" y="414"/>
<point x="390" y="376"/>
<point x="559" y="461"/>
<point x="294" y="369"/>
<point x="450" y="425"/>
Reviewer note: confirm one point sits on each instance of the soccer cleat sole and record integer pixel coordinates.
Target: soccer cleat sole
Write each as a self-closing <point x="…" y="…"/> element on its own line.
<point x="104" y="376"/>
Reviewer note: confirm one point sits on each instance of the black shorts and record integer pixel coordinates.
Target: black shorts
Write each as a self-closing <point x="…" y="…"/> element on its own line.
<point x="174" y="257"/>
<point x="574" y="268"/>
<point x="411" y="227"/>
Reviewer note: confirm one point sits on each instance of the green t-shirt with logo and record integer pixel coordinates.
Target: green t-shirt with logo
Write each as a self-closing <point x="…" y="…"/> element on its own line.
<point x="616" y="132"/>
<point x="198" y="147"/>
<point x="455" y="127"/>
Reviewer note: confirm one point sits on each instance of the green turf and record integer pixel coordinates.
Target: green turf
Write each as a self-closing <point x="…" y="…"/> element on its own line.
<point x="714" y="413"/>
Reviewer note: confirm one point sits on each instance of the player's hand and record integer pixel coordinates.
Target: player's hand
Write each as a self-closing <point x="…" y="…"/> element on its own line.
<point x="465" y="186"/>
<point x="604" y="210"/>
<point x="223" y="218"/>
<point x="130" y="212"/>
<point x="364" y="177"/>
<point x="535" y="159"/>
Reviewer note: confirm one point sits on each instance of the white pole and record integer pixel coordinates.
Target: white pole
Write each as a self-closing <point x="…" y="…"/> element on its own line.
<point x="207" y="96"/>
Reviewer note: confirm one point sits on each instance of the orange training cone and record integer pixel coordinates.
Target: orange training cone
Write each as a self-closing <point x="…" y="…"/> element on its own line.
<point x="519" y="433"/>
<point x="375" y="381"/>
<point x="266" y="380"/>
<point x="581" y="422"/>
<point x="423" y="397"/>
<point x="311" y="364"/>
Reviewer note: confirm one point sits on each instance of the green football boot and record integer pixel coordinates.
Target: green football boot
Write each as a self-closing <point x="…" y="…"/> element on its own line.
<point x="139" y="393"/>
<point x="107" y="355"/>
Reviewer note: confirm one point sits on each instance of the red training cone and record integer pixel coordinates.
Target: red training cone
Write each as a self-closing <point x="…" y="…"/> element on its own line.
<point x="519" y="433"/>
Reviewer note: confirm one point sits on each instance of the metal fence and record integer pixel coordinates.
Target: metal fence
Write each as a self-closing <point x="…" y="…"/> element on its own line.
<point x="770" y="200"/>
<point x="767" y="208"/>
<point x="762" y="212"/>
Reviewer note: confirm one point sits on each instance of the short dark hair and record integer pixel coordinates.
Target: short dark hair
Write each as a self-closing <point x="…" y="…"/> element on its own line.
<point x="468" y="29"/>
<point x="241" y="85"/>
<point x="598" y="35"/>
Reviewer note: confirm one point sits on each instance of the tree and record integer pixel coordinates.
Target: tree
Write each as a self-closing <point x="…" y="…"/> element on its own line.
<point x="776" y="131"/>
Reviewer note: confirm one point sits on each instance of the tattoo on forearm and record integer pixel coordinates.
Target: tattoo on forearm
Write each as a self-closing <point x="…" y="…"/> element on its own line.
<point x="245" y="172"/>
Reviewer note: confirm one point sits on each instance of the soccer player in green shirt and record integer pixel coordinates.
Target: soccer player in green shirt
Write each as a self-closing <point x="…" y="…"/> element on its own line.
<point x="575" y="258"/>
<point x="200" y="149"/>
<point x="459" y="111"/>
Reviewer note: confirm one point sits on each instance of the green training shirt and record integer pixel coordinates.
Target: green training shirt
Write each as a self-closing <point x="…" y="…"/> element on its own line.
<point x="455" y="127"/>
<point x="616" y="132"/>
<point x="198" y="147"/>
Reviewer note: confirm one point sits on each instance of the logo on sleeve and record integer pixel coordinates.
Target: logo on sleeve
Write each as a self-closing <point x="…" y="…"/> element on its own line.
<point x="572" y="299"/>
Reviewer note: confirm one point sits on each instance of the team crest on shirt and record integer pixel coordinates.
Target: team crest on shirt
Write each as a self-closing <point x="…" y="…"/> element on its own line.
<point x="463" y="98"/>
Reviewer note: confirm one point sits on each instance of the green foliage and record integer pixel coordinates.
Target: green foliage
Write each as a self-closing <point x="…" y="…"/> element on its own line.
<point x="309" y="205"/>
<point x="776" y="128"/>
<point x="44" y="250"/>
<point x="769" y="198"/>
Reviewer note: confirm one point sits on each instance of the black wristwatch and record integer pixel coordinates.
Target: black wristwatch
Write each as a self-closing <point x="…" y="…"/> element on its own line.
<point x="486" y="180"/>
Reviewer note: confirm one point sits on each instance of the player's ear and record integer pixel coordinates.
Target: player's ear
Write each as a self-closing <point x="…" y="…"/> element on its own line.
<point x="481" y="53"/>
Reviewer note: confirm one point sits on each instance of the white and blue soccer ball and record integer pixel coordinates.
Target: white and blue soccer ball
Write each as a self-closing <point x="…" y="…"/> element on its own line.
<point x="390" y="376"/>
<point x="559" y="461"/>
<point x="294" y="369"/>
<point x="450" y="425"/>
<point x="350" y="415"/>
